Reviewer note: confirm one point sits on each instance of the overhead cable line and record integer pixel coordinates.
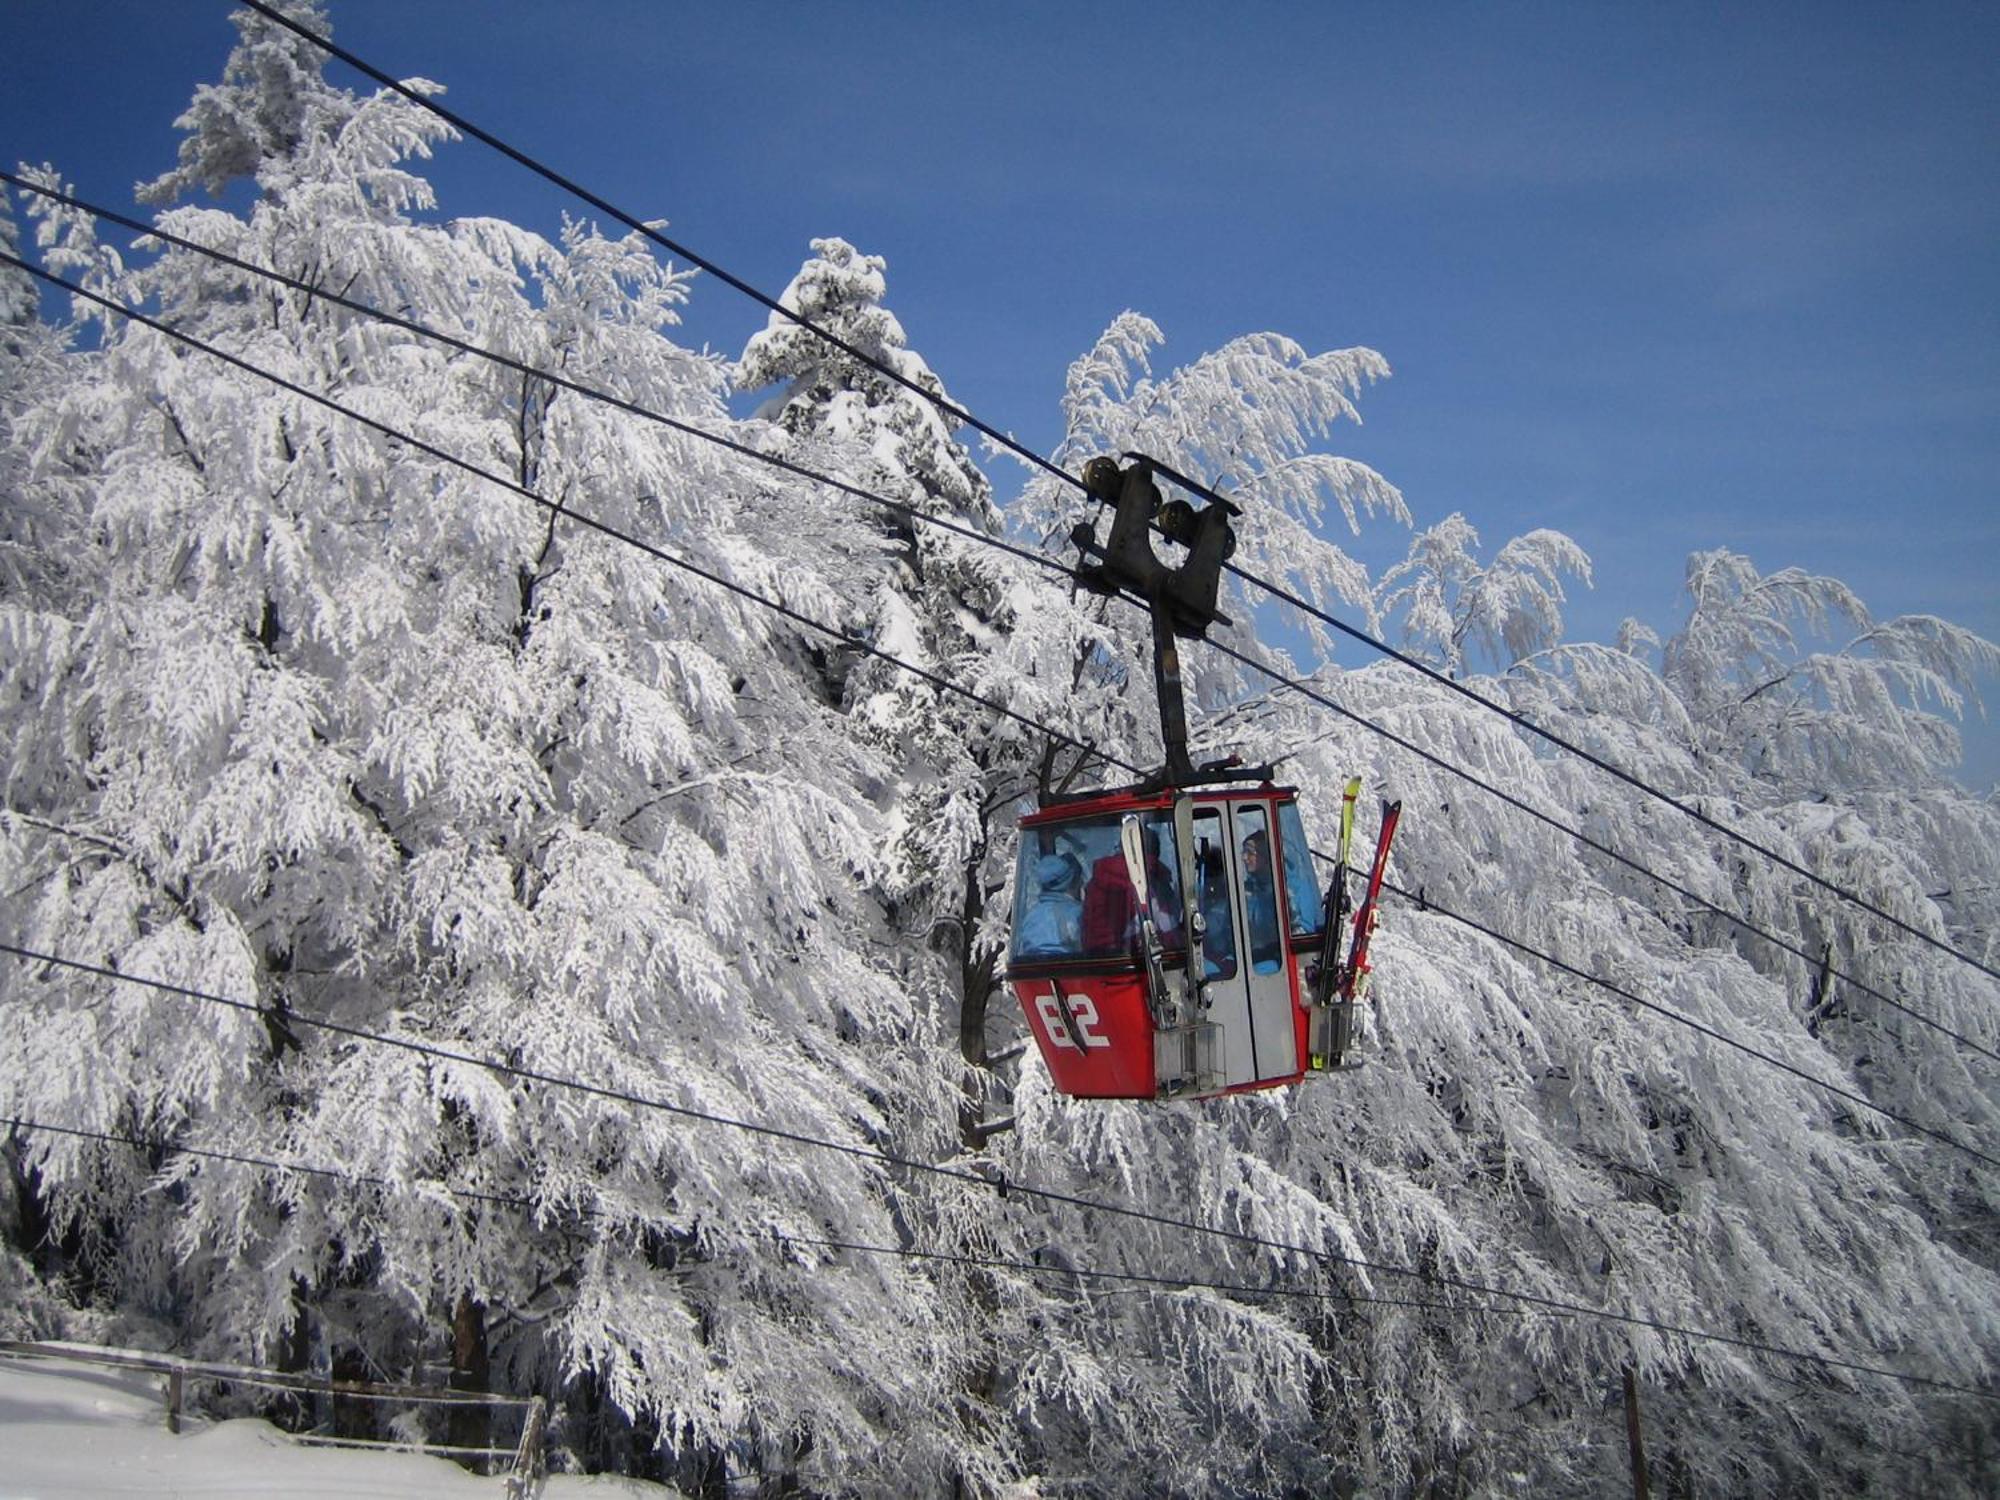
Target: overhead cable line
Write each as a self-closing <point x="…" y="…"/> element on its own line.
<point x="439" y="1053"/>
<point x="534" y="372"/>
<point x="959" y="413"/>
<point x="1052" y="1269"/>
<point x="1402" y="742"/>
<point x="652" y="232"/>
<point x="631" y="1099"/>
<point x="1577" y="1309"/>
<point x="561" y="511"/>
<point x="1036" y="1267"/>
<point x="1522" y="721"/>
<point x="270" y="1164"/>
<point x="943" y="683"/>
<point x="915" y="515"/>
<point x="1425" y="902"/>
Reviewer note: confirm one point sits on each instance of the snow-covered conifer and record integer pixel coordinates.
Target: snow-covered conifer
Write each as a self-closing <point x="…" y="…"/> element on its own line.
<point x="272" y="108"/>
<point x="933" y="597"/>
<point x="18" y="297"/>
<point x="1451" y="604"/>
<point x="297" y="713"/>
<point x="328" y="723"/>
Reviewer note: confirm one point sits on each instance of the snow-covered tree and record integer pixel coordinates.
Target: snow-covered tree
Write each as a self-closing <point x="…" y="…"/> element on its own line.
<point x="1625" y="1134"/>
<point x="18" y="298"/>
<point x="33" y="545"/>
<point x="928" y="595"/>
<point x="298" y="713"/>
<point x="266" y="119"/>
<point x="1522" y="1127"/>
<point x="1452" y="605"/>
<point x="1876" y="711"/>
<point x="328" y="723"/>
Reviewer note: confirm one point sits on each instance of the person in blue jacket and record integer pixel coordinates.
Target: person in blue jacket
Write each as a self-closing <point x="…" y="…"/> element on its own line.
<point x="1052" y="925"/>
<point x="1260" y="904"/>
<point x="1218" y="940"/>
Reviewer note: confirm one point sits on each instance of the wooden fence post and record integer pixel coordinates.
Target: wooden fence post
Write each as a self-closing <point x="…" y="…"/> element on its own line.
<point x="175" y="1380"/>
<point x="529" y="1459"/>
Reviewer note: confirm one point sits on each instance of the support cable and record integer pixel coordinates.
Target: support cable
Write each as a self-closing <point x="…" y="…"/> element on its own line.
<point x="784" y="1237"/>
<point x="270" y="1164"/>
<point x="559" y="511"/>
<point x="943" y="683"/>
<point x="1007" y="442"/>
<point x="534" y="372"/>
<point x="1333" y="705"/>
<point x="1610" y="768"/>
<point x="652" y="232"/>
<point x="914" y="515"/>
<point x="962" y="1174"/>
<point x="959" y="413"/>
<point x="1426" y="902"/>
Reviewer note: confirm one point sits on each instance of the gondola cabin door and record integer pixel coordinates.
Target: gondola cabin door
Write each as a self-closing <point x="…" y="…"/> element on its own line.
<point x="1161" y="938"/>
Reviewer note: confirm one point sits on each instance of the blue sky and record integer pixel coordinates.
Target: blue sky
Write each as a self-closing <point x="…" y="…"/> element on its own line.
<point x="1664" y="278"/>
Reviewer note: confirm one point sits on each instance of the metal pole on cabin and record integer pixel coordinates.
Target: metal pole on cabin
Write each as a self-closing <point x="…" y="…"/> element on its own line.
<point x="1640" y="1489"/>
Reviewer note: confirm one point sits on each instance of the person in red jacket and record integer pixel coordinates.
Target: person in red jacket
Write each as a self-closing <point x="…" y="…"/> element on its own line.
<point x="1111" y="906"/>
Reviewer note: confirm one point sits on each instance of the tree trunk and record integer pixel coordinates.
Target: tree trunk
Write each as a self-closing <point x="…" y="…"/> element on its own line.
<point x="1633" y="1441"/>
<point x="471" y="1369"/>
<point x="293" y="1410"/>
<point x="353" y="1416"/>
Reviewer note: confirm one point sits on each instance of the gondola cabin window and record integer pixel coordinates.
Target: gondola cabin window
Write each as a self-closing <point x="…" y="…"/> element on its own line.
<point x="1218" y="916"/>
<point x="1073" y="895"/>
<point x="1260" y="887"/>
<point x="1302" y="893"/>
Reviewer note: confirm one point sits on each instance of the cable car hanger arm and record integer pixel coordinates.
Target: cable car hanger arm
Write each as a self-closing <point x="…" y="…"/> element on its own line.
<point x="1181" y="600"/>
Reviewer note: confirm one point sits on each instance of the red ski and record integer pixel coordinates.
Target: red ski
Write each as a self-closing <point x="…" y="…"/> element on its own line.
<point x="1354" y="975"/>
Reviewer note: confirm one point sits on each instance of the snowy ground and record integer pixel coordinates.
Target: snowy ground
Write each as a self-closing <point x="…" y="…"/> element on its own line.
<point x="68" y="1432"/>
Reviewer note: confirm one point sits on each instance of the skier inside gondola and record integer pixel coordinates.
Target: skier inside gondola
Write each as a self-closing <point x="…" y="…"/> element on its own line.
<point x="1111" y="906"/>
<point x="1260" y="902"/>
<point x="1218" y="938"/>
<point x="1052" y="924"/>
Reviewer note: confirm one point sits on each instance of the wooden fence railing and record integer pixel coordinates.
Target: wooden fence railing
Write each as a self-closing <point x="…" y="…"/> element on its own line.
<point x="524" y="1478"/>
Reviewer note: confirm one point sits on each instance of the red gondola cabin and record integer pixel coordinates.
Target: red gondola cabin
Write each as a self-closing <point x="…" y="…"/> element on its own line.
<point x="1103" y="977"/>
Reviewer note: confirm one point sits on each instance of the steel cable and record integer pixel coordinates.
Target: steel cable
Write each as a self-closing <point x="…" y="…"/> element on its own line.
<point x="295" y="1017"/>
<point x="959" y="413"/>
<point x="914" y="515"/>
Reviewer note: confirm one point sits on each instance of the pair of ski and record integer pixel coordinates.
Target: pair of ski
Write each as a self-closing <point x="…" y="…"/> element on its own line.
<point x="1341" y="983"/>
